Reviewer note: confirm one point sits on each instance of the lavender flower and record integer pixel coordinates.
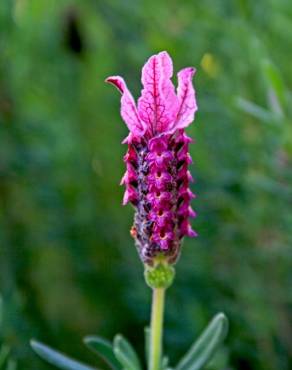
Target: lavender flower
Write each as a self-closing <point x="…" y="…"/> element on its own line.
<point x="157" y="185"/>
<point x="157" y="177"/>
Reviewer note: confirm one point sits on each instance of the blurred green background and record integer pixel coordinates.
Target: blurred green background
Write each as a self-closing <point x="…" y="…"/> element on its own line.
<point x="68" y="264"/>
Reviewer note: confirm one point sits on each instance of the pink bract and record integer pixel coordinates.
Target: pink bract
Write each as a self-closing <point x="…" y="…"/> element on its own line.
<point x="159" y="109"/>
<point x="157" y="177"/>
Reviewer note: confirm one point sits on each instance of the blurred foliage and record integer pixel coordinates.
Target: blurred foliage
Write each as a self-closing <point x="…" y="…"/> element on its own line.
<point x="68" y="266"/>
<point x="6" y="362"/>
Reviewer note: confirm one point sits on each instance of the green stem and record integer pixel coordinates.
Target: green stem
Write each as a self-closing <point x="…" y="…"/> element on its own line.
<point x="156" y="328"/>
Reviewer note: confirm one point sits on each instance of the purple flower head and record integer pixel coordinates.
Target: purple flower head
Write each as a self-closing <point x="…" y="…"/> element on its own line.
<point x="157" y="177"/>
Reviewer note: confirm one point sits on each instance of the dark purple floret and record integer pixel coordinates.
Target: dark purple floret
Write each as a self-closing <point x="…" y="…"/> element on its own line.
<point x="157" y="184"/>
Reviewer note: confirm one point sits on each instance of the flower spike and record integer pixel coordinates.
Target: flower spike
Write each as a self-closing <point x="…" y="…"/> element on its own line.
<point x="157" y="177"/>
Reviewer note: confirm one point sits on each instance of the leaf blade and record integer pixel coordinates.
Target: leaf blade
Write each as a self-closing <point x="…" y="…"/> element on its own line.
<point x="104" y="349"/>
<point x="57" y="358"/>
<point x="205" y="346"/>
<point x="125" y="353"/>
<point x="274" y="79"/>
<point x="254" y="110"/>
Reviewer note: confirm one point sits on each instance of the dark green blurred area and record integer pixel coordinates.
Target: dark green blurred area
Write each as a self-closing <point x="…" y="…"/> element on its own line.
<point x="68" y="264"/>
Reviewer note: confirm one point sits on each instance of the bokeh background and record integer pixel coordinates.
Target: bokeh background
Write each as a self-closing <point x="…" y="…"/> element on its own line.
<point x="68" y="266"/>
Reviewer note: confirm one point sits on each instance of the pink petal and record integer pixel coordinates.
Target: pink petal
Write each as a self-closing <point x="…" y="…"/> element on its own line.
<point x="186" y="229"/>
<point x="158" y="103"/>
<point x="128" y="107"/>
<point x="129" y="176"/>
<point x="130" y="195"/>
<point x="187" y="98"/>
<point x="167" y="86"/>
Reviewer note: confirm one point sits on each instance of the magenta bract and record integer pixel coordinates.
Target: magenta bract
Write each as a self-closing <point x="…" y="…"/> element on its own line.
<point x="157" y="176"/>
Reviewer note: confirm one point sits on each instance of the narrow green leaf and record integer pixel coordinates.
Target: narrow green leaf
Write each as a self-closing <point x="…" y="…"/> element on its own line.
<point x="105" y="350"/>
<point x="4" y="352"/>
<point x="125" y="353"/>
<point x="274" y="79"/>
<point x="147" y="343"/>
<point x="56" y="358"/>
<point x="254" y="110"/>
<point x="164" y="363"/>
<point x="206" y="345"/>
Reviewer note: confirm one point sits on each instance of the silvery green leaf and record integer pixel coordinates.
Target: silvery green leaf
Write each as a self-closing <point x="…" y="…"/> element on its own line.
<point x="204" y="348"/>
<point x="164" y="363"/>
<point x="105" y="350"/>
<point x="254" y="110"/>
<point x="125" y="353"/>
<point x="57" y="358"/>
